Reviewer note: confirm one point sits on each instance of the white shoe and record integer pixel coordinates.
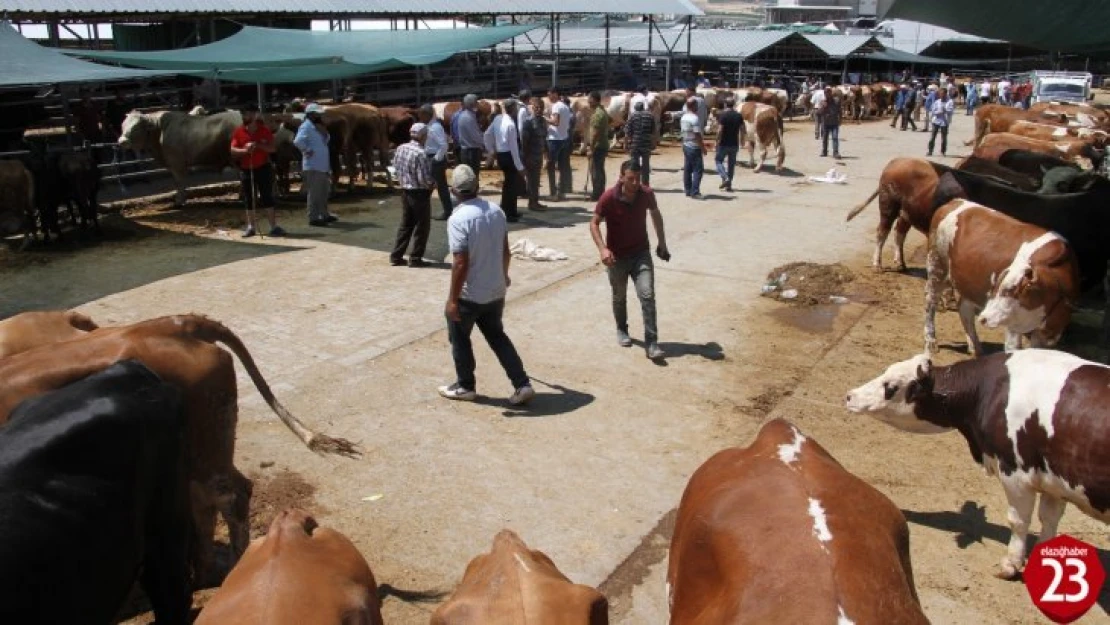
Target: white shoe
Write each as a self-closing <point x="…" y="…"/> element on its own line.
<point x="522" y="395"/>
<point x="454" y="391"/>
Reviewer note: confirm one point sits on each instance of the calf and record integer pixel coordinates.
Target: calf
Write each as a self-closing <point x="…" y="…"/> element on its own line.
<point x="1023" y="277"/>
<point x="763" y="127"/>
<point x="515" y="585"/>
<point x="31" y="329"/>
<point x="297" y="573"/>
<point x="93" y="496"/>
<point x="17" y="199"/>
<point x="1038" y="419"/>
<point x="780" y="532"/>
<point x="182" y="349"/>
<point x="1086" y="152"/>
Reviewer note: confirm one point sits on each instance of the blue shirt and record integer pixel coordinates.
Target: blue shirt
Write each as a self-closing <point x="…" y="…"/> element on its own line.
<point x="313" y="146"/>
<point x="478" y="228"/>
<point x="470" y="136"/>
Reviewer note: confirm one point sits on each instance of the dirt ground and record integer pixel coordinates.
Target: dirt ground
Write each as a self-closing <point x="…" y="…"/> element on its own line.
<point x="591" y="473"/>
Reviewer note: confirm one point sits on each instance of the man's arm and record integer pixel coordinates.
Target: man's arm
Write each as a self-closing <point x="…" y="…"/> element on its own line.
<point x="506" y="257"/>
<point x="595" y="232"/>
<point x="441" y="138"/>
<point x="460" y="264"/>
<point x="660" y="235"/>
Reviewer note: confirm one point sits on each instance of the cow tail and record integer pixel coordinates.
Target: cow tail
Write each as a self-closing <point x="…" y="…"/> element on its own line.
<point x="980" y="131"/>
<point x="859" y="209"/>
<point x="782" y="144"/>
<point x="212" y="331"/>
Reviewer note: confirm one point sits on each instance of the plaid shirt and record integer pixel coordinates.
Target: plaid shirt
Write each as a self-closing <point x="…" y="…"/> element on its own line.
<point x="641" y="131"/>
<point x="413" y="168"/>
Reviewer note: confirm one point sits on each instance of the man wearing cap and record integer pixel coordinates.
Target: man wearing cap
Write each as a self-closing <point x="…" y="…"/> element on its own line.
<point x="502" y="139"/>
<point x="312" y="140"/>
<point x="471" y="141"/>
<point x="599" y="144"/>
<point x="640" y="136"/>
<point x="533" y="140"/>
<point x="251" y="146"/>
<point x="435" y="147"/>
<point x="414" y="173"/>
<point x="478" y="237"/>
<point x="558" y="145"/>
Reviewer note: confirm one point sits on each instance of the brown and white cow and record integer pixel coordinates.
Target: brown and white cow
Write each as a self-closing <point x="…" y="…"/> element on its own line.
<point x="179" y="141"/>
<point x="1086" y="152"/>
<point x="31" y="329"/>
<point x="1022" y="276"/>
<point x="780" y="532"/>
<point x="17" y="199"/>
<point x="1054" y="132"/>
<point x="515" y="585"/>
<point x="182" y="350"/>
<point x="1082" y="115"/>
<point x="298" y="573"/>
<point x="992" y="118"/>
<point x="763" y="128"/>
<point x="1038" y="419"/>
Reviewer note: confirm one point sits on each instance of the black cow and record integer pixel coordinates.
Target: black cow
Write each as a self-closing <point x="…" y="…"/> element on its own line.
<point x="93" y="496"/>
<point x="79" y="177"/>
<point x="1032" y="163"/>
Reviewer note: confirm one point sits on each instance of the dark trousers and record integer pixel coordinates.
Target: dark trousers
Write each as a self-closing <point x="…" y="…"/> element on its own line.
<point x="510" y="190"/>
<point x="644" y="160"/>
<point x="692" y="168"/>
<point x="907" y="118"/>
<point x="943" y="139"/>
<point x="261" y="194"/>
<point x="439" y="174"/>
<point x="898" y="113"/>
<point x="558" y="156"/>
<point x="831" y="132"/>
<point x="597" y="173"/>
<point x="473" y="157"/>
<point x="416" y="222"/>
<point x="488" y="319"/>
<point x="532" y="168"/>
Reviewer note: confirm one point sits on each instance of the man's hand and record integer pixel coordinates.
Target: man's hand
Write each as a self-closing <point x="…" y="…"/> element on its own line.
<point x="607" y="257"/>
<point x="662" y="252"/>
<point x="508" y="281"/>
<point x="452" y="311"/>
<point x="249" y="147"/>
<point x="309" y="153"/>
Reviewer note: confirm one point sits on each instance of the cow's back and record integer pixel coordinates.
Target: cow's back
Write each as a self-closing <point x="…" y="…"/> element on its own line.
<point x="31" y="329"/>
<point x="189" y="140"/>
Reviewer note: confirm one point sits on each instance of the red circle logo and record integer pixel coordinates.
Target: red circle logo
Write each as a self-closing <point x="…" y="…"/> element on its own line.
<point x="1064" y="577"/>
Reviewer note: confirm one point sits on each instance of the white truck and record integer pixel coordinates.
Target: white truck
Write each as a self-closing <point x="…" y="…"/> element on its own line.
<point x="1074" y="87"/>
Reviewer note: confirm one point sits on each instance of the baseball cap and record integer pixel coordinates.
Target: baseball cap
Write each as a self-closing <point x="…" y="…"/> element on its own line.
<point x="418" y="129"/>
<point x="314" y="108"/>
<point x="463" y="178"/>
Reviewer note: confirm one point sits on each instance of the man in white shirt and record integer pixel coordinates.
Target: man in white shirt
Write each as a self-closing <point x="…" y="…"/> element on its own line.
<point x="941" y="117"/>
<point x="524" y="109"/>
<point x="436" y="148"/>
<point x="1004" y="92"/>
<point x="985" y="92"/>
<point x="558" y="145"/>
<point x="693" y="150"/>
<point x="818" y="102"/>
<point x="502" y="138"/>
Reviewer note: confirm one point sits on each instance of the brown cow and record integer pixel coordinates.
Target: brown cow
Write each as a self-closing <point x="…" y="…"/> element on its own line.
<point x="181" y="350"/>
<point x="780" y="532"/>
<point x="763" y="128"/>
<point x="1086" y="153"/>
<point x="398" y="120"/>
<point x="1083" y="115"/>
<point x="1053" y="132"/>
<point x="31" y="329"/>
<point x="1021" y="276"/>
<point x="17" y="200"/>
<point x="515" y="585"/>
<point x="357" y="128"/>
<point x="992" y="118"/>
<point x="298" y="573"/>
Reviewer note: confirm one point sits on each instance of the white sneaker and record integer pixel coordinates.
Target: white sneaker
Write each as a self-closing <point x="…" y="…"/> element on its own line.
<point x="522" y="395"/>
<point x="454" y="391"/>
<point x="654" y="352"/>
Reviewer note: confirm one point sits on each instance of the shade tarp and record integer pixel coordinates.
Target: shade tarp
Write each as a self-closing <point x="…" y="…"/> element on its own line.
<point x="277" y="55"/>
<point x="1067" y="25"/>
<point x="895" y="55"/>
<point x="24" y="63"/>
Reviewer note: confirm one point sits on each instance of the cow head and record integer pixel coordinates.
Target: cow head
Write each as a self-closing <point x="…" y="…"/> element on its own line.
<point x="1019" y="297"/>
<point x="136" y="131"/>
<point x="893" y="396"/>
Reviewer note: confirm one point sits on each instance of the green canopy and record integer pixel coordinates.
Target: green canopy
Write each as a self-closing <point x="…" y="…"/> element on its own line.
<point x="1067" y="25"/>
<point x="276" y="55"/>
<point x="24" y="63"/>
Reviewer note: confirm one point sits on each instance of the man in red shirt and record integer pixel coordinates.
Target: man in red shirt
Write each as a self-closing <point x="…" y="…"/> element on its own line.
<point x="251" y="146"/>
<point x="626" y="250"/>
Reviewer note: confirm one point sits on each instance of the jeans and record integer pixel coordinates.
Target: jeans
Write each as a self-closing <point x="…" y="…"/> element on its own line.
<point x="261" y="195"/>
<point x="473" y="157"/>
<point x="439" y="174"/>
<point x="943" y="138"/>
<point x="558" y="154"/>
<point x="317" y="186"/>
<point x="416" y="223"/>
<point x="971" y="102"/>
<point x="832" y="132"/>
<point x="488" y="319"/>
<point x="692" y="168"/>
<point x="532" y="167"/>
<point x="907" y="118"/>
<point x="644" y="159"/>
<point x="510" y="189"/>
<point x="638" y="267"/>
<point x="726" y="152"/>
<point x="597" y="173"/>
<point x="818" y="124"/>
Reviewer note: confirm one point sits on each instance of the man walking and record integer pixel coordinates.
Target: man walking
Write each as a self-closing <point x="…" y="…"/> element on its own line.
<point x="693" y="149"/>
<point x="908" y="106"/>
<point x="599" y="144"/>
<point x="728" y="142"/>
<point x="435" y="147"/>
<point x="312" y="140"/>
<point x="533" y="139"/>
<point x="251" y="146"/>
<point x="502" y="139"/>
<point x="471" y="141"/>
<point x="928" y="106"/>
<point x="558" y="145"/>
<point x="414" y="173"/>
<point x="626" y="251"/>
<point x="941" y="115"/>
<point x="640" y="135"/>
<point x="899" y="107"/>
<point x="479" y="242"/>
<point x="818" y="101"/>
<point x="832" y="124"/>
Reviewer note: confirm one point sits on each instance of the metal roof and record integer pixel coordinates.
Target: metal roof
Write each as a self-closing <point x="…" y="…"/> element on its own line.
<point x="54" y="9"/>
<point x="706" y="43"/>
<point x="841" y="46"/>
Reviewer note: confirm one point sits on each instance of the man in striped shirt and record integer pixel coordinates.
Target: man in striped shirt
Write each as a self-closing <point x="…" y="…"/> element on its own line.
<point x="415" y="175"/>
<point x="640" y="136"/>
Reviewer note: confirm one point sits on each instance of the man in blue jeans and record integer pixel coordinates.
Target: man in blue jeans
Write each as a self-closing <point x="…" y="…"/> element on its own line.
<point x="693" y="150"/>
<point x="477" y="234"/>
<point x="626" y="251"/>
<point x="728" y="142"/>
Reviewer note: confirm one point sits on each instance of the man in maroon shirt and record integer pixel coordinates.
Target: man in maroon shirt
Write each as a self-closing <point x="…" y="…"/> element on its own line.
<point x="626" y="250"/>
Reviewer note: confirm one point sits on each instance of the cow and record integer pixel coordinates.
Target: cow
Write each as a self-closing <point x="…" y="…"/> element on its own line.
<point x="1026" y="162"/>
<point x="513" y="584"/>
<point x="1053" y="132"/>
<point x="94" y="497"/>
<point x="297" y="573"/>
<point x="780" y="532"/>
<point x="357" y="128"/>
<point x="763" y="128"/>
<point x="1079" y="114"/>
<point x="17" y="200"/>
<point x="992" y="118"/>
<point x="182" y="350"/>
<point x="178" y="141"/>
<point x="79" y="176"/>
<point x="398" y="120"/>
<point x="31" y="329"/>
<point x="1086" y="153"/>
<point x="284" y="128"/>
<point x="1022" y="277"/>
<point x="1038" y="419"/>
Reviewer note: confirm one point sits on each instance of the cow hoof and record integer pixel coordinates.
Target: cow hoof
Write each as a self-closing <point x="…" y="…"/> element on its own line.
<point x="1008" y="572"/>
